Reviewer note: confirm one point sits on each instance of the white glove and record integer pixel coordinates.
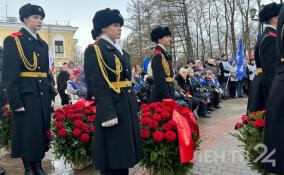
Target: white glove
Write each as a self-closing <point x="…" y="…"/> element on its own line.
<point x="110" y="123"/>
<point x="52" y="103"/>
<point x="21" y="109"/>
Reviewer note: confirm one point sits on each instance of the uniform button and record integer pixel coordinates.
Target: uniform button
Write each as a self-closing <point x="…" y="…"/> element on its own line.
<point x="41" y="93"/>
<point x="39" y="81"/>
<point x="129" y="91"/>
<point x="38" y="54"/>
<point x="38" y="67"/>
<point x="126" y="69"/>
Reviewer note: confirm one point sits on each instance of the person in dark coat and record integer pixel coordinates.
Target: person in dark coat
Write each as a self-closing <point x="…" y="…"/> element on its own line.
<point x="274" y="130"/>
<point x="25" y="70"/>
<point x="161" y="64"/>
<point x="265" y="58"/>
<point x="62" y="79"/>
<point x="117" y="140"/>
<point x="3" y="94"/>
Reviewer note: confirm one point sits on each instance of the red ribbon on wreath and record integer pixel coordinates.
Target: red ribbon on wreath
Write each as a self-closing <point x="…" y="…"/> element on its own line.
<point x="185" y="137"/>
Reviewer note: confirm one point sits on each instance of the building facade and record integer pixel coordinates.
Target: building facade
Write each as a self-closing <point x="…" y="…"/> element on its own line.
<point x="59" y="35"/>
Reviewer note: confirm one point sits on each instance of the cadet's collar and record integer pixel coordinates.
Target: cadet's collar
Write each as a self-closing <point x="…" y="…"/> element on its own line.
<point x="271" y="26"/>
<point x="116" y="44"/>
<point x="34" y="35"/>
<point x="163" y="47"/>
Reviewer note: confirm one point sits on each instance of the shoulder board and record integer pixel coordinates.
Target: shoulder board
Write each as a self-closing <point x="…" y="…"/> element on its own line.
<point x="158" y="52"/>
<point x="93" y="44"/>
<point x="15" y="34"/>
<point x="272" y="34"/>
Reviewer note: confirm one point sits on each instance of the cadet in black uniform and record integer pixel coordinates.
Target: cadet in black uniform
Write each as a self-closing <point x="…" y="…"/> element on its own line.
<point x="265" y="58"/>
<point x="274" y="124"/>
<point x="117" y="140"/>
<point x="26" y="66"/>
<point x="161" y="66"/>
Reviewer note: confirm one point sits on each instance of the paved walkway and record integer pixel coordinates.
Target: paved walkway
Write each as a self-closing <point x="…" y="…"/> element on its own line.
<point x="219" y="151"/>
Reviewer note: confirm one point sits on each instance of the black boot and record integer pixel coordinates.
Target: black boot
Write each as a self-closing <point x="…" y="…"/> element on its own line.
<point x="2" y="172"/>
<point x="38" y="168"/>
<point x="28" y="167"/>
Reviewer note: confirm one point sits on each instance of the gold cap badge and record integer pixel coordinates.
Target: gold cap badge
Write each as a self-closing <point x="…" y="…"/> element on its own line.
<point x="39" y="9"/>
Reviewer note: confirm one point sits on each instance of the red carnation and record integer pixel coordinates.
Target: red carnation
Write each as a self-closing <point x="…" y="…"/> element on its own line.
<point x="85" y="137"/>
<point x="78" y="116"/>
<point x="6" y="108"/>
<point x="170" y="136"/>
<point x="238" y="125"/>
<point x="92" y="129"/>
<point x="146" y="109"/>
<point x="165" y="115"/>
<point x="143" y="105"/>
<point x="59" y="111"/>
<point x="70" y="116"/>
<point x="70" y="111"/>
<point x="59" y="125"/>
<point x="172" y="124"/>
<point x="9" y="114"/>
<point x="255" y="114"/>
<point x="159" y="110"/>
<point x="166" y="127"/>
<point x="58" y="117"/>
<point x="153" y="124"/>
<point x="153" y="106"/>
<point x="78" y="123"/>
<point x="62" y="132"/>
<point x="147" y="114"/>
<point x="90" y="119"/>
<point x="145" y="133"/>
<point x="76" y="132"/>
<point x="245" y="119"/>
<point x="157" y="117"/>
<point x="48" y="134"/>
<point x="169" y="109"/>
<point x="66" y="108"/>
<point x="145" y="121"/>
<point x="169" y="102"/>
<point x="158" y="52"/>
<point x="158" y="136"/>
<point x="85" y="127"/>
<point x="259" y="123"/>
<point x="250" y="118"/>
<point x="87" y="111"/>
<point x="78" y="109"/>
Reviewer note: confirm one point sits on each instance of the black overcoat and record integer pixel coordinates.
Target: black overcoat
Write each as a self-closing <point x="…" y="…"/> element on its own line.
<point x="161" y="89"/>
<point x="29" y="139"/>
<point x="120" y="146"/>
<point x="274" y="124"/>
<point x="266" y="59"/>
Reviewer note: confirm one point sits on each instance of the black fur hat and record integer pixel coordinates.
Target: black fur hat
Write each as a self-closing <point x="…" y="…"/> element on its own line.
<point x="159" y="32"/>
<point x="269" y="11"/>
<point x="29" y="9"/>
<point x="104" y="18"/>
<point x="95" y="34"/>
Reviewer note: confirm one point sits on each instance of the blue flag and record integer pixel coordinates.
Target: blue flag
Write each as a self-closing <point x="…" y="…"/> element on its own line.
<point x="258" y="36"/>
<point x="240" y="61"/>
<point x="146" y="63"/>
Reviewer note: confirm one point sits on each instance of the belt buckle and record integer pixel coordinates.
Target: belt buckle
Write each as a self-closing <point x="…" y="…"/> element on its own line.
<point x="128" y="83"/>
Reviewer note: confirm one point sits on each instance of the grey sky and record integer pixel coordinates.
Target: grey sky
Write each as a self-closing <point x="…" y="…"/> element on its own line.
<point x="78" y="12"/>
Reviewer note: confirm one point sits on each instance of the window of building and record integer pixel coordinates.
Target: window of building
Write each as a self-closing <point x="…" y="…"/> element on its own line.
<point x="59" y="47"/>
